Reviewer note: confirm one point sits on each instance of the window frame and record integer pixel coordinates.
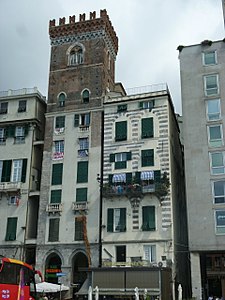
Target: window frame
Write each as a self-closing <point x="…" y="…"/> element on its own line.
<point x="150" y="253"/>
<point x="11" y="226"/>
<point x="217" y="198"/>
<point x="144" y="132"/>
<point x="146" y="226"/>
<point x="16" y="173"/>
<point x="215" y="142"/>
<point x="61" y="101"/>
<point x="22" y="107"/>
<point x="117" y="219"/>
<point x="59" y="121"/>
<point x="208" y="114"/>
<point x="79" y="230"/>
<point x="204" y="58"/>
<point x="85" y="96"/>
<point x="214" y="168"/>
<point x="53" y="233"/>
<point x="3" y="108"/>
<point x="208" y="90"/>
<point x="221" y="227"/>
<point x="56" y="196"/>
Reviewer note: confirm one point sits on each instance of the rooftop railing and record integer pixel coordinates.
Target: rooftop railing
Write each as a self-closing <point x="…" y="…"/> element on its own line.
<point x="20" y="92"/>
<point x="147" y="89"/>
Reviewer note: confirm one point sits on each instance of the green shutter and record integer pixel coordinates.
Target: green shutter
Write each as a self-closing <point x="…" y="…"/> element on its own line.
<point x="122" y="107"/>
<point x="110" y="179"/>
<point x="79" y="233"/>
<point x="24" y="170"/>
<point x="76" y="120"/>
<point x="56" y="196"/>
<point x="123" y="219"/>
<point x="26" y="129"/>
<point x="6" y="171"/>
<point x="11" y="131"/>
<point x="121" y="131"/>
<point x="129" y="155"/>
<point x="148" y="218"/>
<point x="138" y="177"/>
<point x="82" y="171"/>
<point x="157" y="176"/>
<point x="128" y="178"/>
<point x="112" y="157"/>
<point x="147" y="157"/>
<point x="53" y="230"/>
<point x="110" y="220"/>
<point x="141" y="104"/>
<point x="147" y="128"/>
<point x="120" y="165"/>
<point x="81" y="194"/>
<point x="11" y="229"/>
<point x="60" y="122"/>
<point x="57" y="172"/>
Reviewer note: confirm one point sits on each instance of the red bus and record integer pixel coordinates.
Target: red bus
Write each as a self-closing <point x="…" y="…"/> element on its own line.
<point x="17" y="280"/>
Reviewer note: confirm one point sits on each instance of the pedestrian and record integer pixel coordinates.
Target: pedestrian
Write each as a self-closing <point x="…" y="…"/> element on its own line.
<point x="45" y="297"/>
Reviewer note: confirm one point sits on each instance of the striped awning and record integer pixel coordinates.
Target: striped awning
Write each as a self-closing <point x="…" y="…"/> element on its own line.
<point x="147" y="175"/>
<point x="119" y="177"/>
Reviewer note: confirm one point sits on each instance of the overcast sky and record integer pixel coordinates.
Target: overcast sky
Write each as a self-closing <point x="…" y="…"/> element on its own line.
<point x="149" y="32"/>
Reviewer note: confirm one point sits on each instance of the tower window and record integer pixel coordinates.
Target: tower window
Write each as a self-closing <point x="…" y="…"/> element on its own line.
<point x="85" y="96"/>
<point x="76" y="56"/>
<point x="61" y="99"/>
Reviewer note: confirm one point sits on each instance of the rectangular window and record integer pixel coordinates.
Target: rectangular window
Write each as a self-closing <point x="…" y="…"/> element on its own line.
<point x="82" y="120"/>
<point x="147" y="130"/>
<point x="84" y="143"/>
<point x="148" y="218"/>
<point x="22" y="106"/>
<point x="17" y="170"/>
<point x="209" y="58"/>
<point x="3" y="107"/>
<point x="13" y="200"/>
<point x="120" y="253"/>
<point x="219" y="192"/>
<point x="150" y="253"/>
<point x="57" y="174"/>
<point x="2" y="136"/>
<point x="116" y="220"/>
<point x="215" y="135"/>
<point x="217" y="163"/>
<point x="53" y="235"/>
<point x="56" y="196"/>
<point x="147" y="157"/>
<point x="11" y="229"/>
<point x="81" y="195"/>
<point x="121" y="131"/>
<point x="58" y="150"/>
<point x="6" y="171"/>
<point x="211" y="85"/>
<point x="82" y="171"/>
<point x="220" y="221"/>
<point x="213" y="110"/>
<point x="1" y="167"/>
<point x="60" y="122"/>
<point x="147" y="104"/>
<point x="122" y="108"/>
<point x="79" y="229"/>
<point x="19" y="134"/>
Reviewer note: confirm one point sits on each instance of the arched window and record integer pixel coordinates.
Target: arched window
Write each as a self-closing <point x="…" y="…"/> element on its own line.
<point x="76" y="55"/>
<point x="61" y="99"/>
<point x="85" y="96"/>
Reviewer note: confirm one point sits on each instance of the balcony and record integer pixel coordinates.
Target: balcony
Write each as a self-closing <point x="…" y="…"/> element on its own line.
<point x="131" y="190"/>
<point x="80" y="206"/>
<point x="10" y="186"/>
<point x="54" y="208"/>
<point x="83" y="128"/>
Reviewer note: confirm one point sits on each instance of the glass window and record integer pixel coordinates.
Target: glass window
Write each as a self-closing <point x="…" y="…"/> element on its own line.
<point x="19" y="134"/>
<point x="85" y="96"/>
<point x="82" y="120"/>
<point x="11" y="229"/>
<point x="57" y="174"/>
<point x="22" y="106"/>
<point x="116" y="220"/>
<point x="148" y="218"/>
<point x="121" y="131"/>
<point x="213" y="110"/>
<point x="147" y="104"/>
<point x="3" y="107"/>
<point x="211" y="85"/>
<point x="147" y="157"/>
<point x="209" y="58"/>
<point x="84" y="143"/>
<point x="59" y="146"/>
<point x="147" y="130"/>
<point x="56" y="196"/>
<point x="215" y="136"/>
<point x="220" y="221"/>
<point x="217" y="163"/>
<point x="150" y="253"/>
<point x="17" y="170"/>
<point x="79" y="229"/>
<point x="81" y="195"/>
<point x="61" y="99"/>
<point x="60" y="122"/>
<point x="76" y="56"/>
<point x="120" y="253"/>
<point x="53" y="235"/>
<point x="2" y="136"/>
<point x="219" y="192"/>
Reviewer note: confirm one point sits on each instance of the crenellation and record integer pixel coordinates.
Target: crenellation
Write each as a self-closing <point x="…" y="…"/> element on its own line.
<point x="82" y="17"/>
<point x="93" y="15"/>
<point x="62" y="21"/>
<point x="72" y="19"/>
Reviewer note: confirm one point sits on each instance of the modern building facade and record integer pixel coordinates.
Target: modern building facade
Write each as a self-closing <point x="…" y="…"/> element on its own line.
<point x="202" y="85"/>
<point x="22" y="124"/>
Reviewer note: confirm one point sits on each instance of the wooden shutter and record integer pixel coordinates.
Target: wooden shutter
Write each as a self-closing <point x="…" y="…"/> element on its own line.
<point x="148" y="218"/>
<point x="110" y="215"/>
<point x="82" y="171"/>
<point x="11" y="131"/>
<point x="120" y="165"/>
<point x="110" y="178"/>
<point x="147" y="157"/>
<point x="123" y="219"/>
<point x="121" y="131"/>
<point x="141" y="104"/>
<point x="57" y="172"/>
<point x="129" y="155"/>
<point x="11" y="229"/>
<point x="76" y="120"/>
<point x="53" y="230"/>
<point x="79" y="232"/>
<point x="128" y="178"/>
<point x="157" y="176"/>
<point x="147" y="128"/>
<point x="137" y="177"/>
<point x="60" y="122"/>
<point x="56" y="196"/>
<point x="81" y="194"/>
<point x="24" y="170"/>
<point x="112" y="157"/>
<point x="6" y="171"/>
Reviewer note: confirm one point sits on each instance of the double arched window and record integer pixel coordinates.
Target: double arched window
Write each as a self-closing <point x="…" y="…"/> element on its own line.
<point x="75" y="54"/>
<point x="61" y="99"/>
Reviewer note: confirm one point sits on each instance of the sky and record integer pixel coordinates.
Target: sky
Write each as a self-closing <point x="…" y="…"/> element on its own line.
<point x="149" y="33"/>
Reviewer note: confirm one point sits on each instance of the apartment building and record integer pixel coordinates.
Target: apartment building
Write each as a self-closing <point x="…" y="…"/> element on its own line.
<point x="202" y="85"/>
<point x="22" y="126"/>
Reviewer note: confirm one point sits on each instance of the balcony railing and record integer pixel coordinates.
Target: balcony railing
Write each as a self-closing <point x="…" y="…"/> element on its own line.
<point x="10" y="186"/>
<point x="77" y="206"/>
<point x="127" y="190"/>
<point x="54" y="208"/>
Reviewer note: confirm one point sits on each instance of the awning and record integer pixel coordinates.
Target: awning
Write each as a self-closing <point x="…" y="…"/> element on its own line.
<point x="119" y="177"/>
<point x="147" y="175"/>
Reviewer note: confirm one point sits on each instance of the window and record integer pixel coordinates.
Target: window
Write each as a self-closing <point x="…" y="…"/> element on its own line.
<point x="147" y="128"/>
<point x="79" y="230"/>
<point x="3" y="107"/>
<point x="57" y="173"/>
<point x="19" y="134"/>
<point x="122" y="108"/>
<point x="219" y="192"/>
<point x="84" y="143"/>
<point x="121" y="131"/>
<point x="81" y="195"/>
<point x="147" y="158"/>
<point x="53" y="235"/>
<point x="2" y="136"/>
<point x="11" y="229"/>
<point x="82" y="120"/>
<point x="120" y="159"/>
<point x="22" y="106"/>
<point x="150" y="253"/>
<point x="1" y="167"/>
<point x="217" y="163"/>
<point x="56" y="196"/>
<point x="61" y="99"/>
<point x="220" y="221"/>
<point x="82" y="171"/>
<point x="147" y="104"/>
<point x="76" y="56"/>
<point x="209" y="58"/>
<point x="17" y="170"/>
<point x="211" y="85"/>
<point x="14" y="171"/>
<point x="148" y="218"/>
<point x="60" y="122"/>
<point x="215" y="136"/>
<point x="14" y="200"/>
<point x="85" y="96"/>
<point x="116" y="220"/>
<point x="58" y="150"/>
<point x="213" y="110"/>
<point x="120" y="253"/>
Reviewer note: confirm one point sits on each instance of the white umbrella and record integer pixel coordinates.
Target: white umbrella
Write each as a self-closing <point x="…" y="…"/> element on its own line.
<point x="47" y="287"/>
<point x="90" y="293"/>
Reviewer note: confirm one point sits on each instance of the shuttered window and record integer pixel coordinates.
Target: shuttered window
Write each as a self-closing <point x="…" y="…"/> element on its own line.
<point x="53" y="235"/>
<point x="121" y="131"/>
<point x="79" y="232"/>
<point x="11" y="229"/>
<point x="150" y="253"/>
<point x="56" y="196"/>
<point x="147" y="158"/>
<point x="57" y="173"/>
<point x="60" y="122"/>
<point x="147" y="128"/>
<point x="6" y="171"/>
<point x="148" y="218"/>
<point x="81" y="195"/>
<point x="116" y="220"/>
<point x="82" y="171"/>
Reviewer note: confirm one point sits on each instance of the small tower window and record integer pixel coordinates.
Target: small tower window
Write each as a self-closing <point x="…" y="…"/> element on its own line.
<point x="85" y="96"/>
<point x="61" y="99"/>
<point x="76" y="56"/>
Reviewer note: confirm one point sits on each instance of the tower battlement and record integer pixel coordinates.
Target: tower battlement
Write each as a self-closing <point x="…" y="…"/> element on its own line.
<point x="93" y="24"/>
